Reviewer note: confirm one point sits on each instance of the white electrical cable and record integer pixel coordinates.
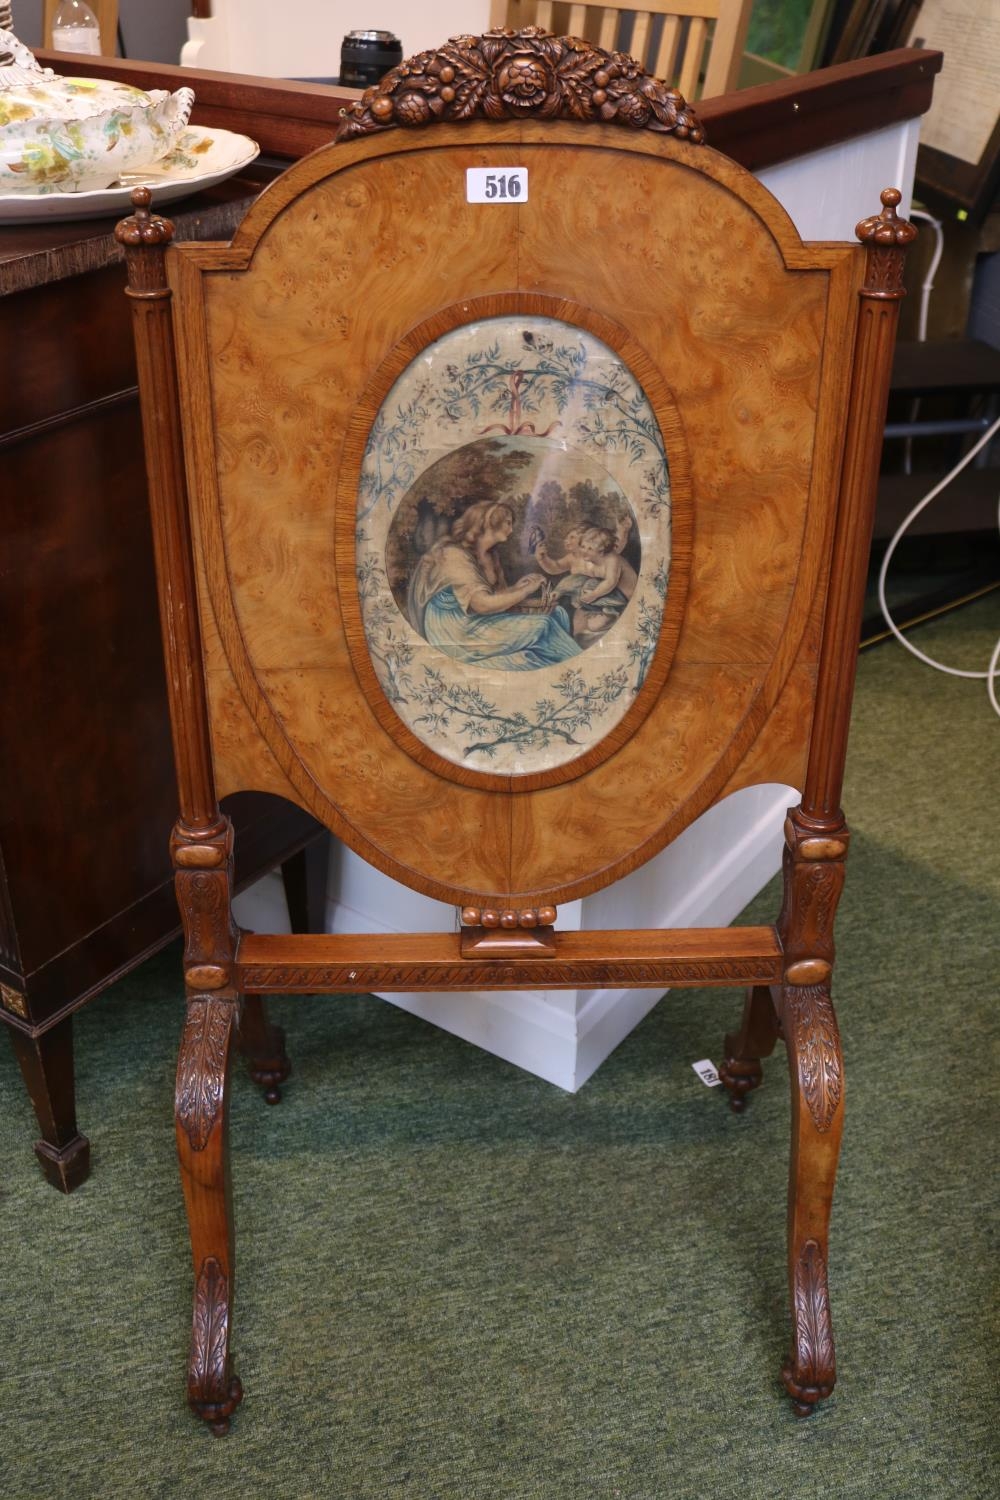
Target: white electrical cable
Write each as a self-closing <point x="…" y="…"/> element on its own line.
<point x="926" y="288"/>
<point x="990" y="675"/>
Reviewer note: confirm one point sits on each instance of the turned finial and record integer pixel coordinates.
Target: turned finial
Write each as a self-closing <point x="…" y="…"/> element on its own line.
<point x="143" y="227"/>
<point x="887" y="228"/>
<point x="886" y="237"/>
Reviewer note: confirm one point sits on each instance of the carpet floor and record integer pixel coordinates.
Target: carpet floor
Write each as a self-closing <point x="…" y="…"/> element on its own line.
<point x="456" y="1281"/>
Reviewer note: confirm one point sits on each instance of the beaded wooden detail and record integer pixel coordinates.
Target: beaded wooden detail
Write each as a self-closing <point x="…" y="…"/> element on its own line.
<point x="887" y="237"/>
<point x="517" y="75"/>
<point x="508" y="917"/>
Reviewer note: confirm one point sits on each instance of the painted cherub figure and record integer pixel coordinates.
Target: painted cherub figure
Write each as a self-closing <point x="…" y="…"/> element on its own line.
<point x="598" y="581"/>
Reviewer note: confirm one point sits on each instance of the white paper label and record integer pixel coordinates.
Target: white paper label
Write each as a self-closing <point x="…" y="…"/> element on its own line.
<point x="706" y="1072"/>
<point x="77" y="39"/>
<point x="496" y="185"/>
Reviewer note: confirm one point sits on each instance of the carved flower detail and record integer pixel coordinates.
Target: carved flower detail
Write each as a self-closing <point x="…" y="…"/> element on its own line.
<point x="520" y="73"/>
<point x="523" y="81"/>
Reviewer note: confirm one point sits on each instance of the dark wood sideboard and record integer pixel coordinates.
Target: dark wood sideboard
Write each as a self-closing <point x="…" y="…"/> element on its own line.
<point x="86" y="778"/>
<point x="87" y="793"/>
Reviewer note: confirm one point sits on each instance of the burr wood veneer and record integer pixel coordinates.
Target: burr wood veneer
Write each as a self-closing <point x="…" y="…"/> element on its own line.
<point x="264" y="363"/>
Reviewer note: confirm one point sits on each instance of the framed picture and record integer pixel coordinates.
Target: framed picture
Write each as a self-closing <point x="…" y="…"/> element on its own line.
<point x="958" y="164"/>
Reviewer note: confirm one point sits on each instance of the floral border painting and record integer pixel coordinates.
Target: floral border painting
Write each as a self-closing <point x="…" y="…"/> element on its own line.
<point x="513" y="543"/>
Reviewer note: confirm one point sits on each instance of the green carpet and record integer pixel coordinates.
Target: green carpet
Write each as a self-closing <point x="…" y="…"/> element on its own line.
<point x="457" y="1281"/>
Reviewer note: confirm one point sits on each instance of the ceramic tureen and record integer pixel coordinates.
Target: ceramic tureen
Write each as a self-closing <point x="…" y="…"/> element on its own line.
<point x="64" y="135"/>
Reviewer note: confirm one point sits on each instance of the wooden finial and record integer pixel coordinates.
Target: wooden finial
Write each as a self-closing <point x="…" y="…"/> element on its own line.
<point x="143" y="227"/>
<point x="521" y="75"/>
<point x="887" y="237"/>
<point x="887" y="228"/>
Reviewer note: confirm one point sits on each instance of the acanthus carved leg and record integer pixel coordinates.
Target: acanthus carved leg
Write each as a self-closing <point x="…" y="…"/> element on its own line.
<point x="263" y="1045"/>
<point x="817" y="1086"/>
<point x="201" y="1111"/>
<point x="813" y="880"/>
<point x="741" y="1071"/>
<point x="203" y="866"/>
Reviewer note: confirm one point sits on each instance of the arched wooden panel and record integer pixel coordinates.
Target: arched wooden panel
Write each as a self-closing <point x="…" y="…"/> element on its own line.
<point x="328" y="279"/>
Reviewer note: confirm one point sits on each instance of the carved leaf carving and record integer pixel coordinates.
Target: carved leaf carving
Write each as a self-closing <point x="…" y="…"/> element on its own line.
<point x="207" y="1371"/>
<point x="816" y="1044"/>
<point x="815" y="1359"/>
<point x="201" y="1067"/>
<point x="822" y="887"/>
<point x="526" y="74"/>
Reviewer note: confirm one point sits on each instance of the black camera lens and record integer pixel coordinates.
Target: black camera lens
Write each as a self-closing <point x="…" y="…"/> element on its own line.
<point x="366" y="55"/>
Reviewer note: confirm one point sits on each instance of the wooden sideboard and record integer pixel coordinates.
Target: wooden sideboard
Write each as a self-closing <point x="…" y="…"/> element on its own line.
<point x="87" y="791"/>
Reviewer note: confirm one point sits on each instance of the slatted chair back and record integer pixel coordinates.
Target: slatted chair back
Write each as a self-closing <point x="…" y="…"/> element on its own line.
<point x="696" y="45"/>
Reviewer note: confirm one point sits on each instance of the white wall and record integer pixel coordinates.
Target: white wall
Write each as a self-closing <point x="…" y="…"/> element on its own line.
<point x="243" y="36"/>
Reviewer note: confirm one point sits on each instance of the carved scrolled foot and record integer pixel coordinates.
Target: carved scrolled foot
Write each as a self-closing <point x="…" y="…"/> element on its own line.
<point x="263" y="1045"/>
<point x="214" y="1392"/>
<point x="741" y="1071"/>
<point x="810" y="1371"/>
<point x="816" y="1075"/>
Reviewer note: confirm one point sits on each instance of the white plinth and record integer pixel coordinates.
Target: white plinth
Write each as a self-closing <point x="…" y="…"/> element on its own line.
<point x="703" y="879"/>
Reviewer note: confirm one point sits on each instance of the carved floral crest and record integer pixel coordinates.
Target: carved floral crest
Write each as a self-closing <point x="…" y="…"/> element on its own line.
<point x="505" y="75"/>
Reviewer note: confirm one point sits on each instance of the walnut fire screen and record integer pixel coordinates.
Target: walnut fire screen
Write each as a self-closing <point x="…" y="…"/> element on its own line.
<point x="511" y="475"/>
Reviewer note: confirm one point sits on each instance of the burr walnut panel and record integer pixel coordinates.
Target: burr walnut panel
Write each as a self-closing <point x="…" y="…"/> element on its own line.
<point x="333" y="269"/>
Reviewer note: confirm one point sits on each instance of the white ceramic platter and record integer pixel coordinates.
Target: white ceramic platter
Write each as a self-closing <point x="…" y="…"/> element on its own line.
<point x="200" y="158"/>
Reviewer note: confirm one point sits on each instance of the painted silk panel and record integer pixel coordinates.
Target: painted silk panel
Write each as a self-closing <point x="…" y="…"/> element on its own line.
<point x="513" y="543"/>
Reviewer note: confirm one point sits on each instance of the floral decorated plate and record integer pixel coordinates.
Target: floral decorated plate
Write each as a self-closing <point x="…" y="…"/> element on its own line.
<point x="199" y="159"/>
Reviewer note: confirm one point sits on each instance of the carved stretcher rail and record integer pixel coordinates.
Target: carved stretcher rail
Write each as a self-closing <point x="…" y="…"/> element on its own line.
<point x="432" y="961"/>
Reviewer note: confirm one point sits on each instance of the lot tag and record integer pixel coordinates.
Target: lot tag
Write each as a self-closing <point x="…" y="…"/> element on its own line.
<point x="706" y="1072"/>
<point x="496" y="184"/>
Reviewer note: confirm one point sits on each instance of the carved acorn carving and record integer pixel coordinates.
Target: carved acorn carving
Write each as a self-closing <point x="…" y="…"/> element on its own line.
<point x="506" y="74"/>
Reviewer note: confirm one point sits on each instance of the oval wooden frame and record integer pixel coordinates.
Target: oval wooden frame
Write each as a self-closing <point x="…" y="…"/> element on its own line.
<point x="661" y="400"/>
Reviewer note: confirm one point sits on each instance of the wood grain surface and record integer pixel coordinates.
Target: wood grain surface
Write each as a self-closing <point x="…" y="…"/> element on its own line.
<point x="281" y="340"/>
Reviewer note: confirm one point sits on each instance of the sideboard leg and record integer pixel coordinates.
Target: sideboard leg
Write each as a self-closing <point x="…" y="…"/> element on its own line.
<point x="741" y="1071"/>
<point x="46" y="1064"/>
<point x="261" y="1042"/>
<point x="305" y="876"/>
<point x="263" y="1045"/>
<point x="816" y="1072"/>
<point x="201" y="1114"/>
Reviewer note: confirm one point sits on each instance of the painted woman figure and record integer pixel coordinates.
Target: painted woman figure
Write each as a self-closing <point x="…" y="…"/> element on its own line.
<point x="460" y="600"/>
